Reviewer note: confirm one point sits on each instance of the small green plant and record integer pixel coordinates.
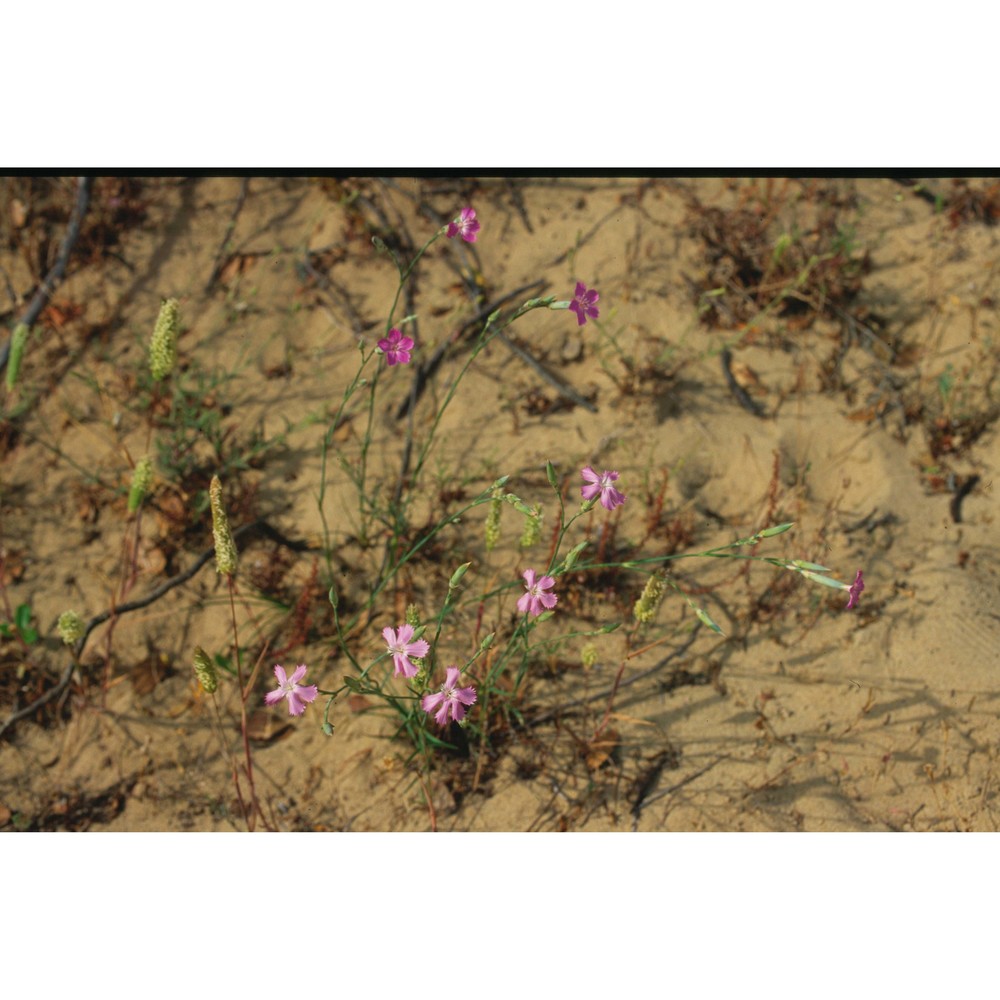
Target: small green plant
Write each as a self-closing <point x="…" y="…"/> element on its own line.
<point x="21" y="626"/>
<point x="457" y="670"/>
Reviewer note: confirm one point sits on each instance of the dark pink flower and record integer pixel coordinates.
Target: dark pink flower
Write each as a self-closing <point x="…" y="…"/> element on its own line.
<point x="855" y="591"/>
<point x="451" y="699"/>
<point x="600" y="485"/>
<point x="466" y="226"/>
<point x="402" y="648"/>
<point x="584" y="303"/>
<point x="298" y="695"/>
<point x="535" y="600"/>
<point x="396" y="347"/>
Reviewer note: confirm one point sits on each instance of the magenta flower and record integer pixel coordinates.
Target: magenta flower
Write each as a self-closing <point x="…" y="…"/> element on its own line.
<point x="584" y="303"/>
<point x="402" y="649"/>
<point x="298" y="695"/>
<point x="466" y="226"/>
<point x="854" y="590"/>
<point x="601" y="485"/>
<point x="396" y="348"/>
<point x="450" y="699"/>
<point x="535" y="600"/>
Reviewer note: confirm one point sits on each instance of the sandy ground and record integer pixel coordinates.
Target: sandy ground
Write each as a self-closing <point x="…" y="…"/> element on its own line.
<point x="851" y="389"/>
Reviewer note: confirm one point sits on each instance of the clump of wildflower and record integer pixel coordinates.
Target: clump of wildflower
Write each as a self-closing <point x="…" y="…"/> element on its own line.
<point x="142" y="479"/>
<point x="854" y="591"/>
<point x="535" y="599"/>
<point x="493" y="524"/>
<point x="450" y="700"/>
<point x="71" y="627"/>
<point x="18" y="341"/>
<point x="466" y="226"/>
<point x="649" y="600"/>
<point x="163" y="345"/>
<point x="589" y="656"/>
<point x="298" y="695"/>
<point x="225" y="547"/>
<point x="396" y="348"/>
<point x="402" y="646"/>
<point x="600" y="486"/>
<point x="204" y="670"/>
<point x="584" y="303"/>
<point x="532" y="529"/>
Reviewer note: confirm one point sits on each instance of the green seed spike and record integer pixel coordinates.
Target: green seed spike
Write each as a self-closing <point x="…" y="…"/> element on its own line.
<point x="649" y="601"/>
<point x="71" y="627"/>
<point x="532" y="529"/>
<point x="163" y="345"/>
<point x="493" y="524"/>
<point x="225" y="547"/>
<point x="204" y="670"/>
<point x="142" y="478"/>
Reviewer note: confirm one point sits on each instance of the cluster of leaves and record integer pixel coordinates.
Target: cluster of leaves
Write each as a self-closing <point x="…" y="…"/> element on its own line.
<point x="757" y="260"/>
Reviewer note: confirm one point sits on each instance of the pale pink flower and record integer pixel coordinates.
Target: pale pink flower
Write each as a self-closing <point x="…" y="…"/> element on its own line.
<point x="298" y="695"/>
<point x="854" y="591"/>
<point x="402" y="649"/>
<point x="535" y="600"/>
<point x="396" y="348"/>
<point x="451" y="699"/>
<point x="584" y="303"/>
<point x="601" y="485"/>
<point x="466" y="226"/>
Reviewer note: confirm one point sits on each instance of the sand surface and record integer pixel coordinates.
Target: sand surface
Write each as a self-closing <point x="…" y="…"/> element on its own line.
<point x="849" y="385"/>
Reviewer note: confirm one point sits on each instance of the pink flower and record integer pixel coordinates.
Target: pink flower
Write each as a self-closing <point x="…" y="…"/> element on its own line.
<point x="535" y="600"/>
<point x="610" y="497"/>
<point x="402" y="649"/>
<point x="450" y="699"/>
<point x="584" y="303"/>
<point x="466" y="226"/>
<point x="396" y="348"/>
<point x="854" y="590"/>
<point x="298" y="695"/>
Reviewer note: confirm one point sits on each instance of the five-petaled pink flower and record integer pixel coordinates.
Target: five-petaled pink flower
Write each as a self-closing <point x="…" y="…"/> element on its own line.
<point x="584" y="303"/>
<point x="854" y="591"/>
<point x="601" y="485"/>
<point x="466" y="226"/>
<point x="401" y="647"/>
<point x="535" y="600"/>
<point x="298" y="695"/>
<point x="451" y="699"/>
<point x="396" y="347"/>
